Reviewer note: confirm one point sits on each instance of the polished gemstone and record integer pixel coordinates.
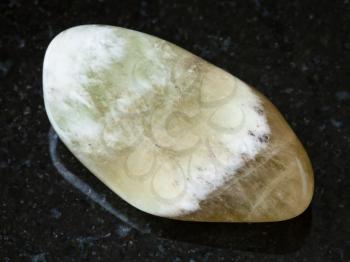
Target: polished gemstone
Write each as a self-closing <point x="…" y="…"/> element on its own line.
<point x="170" y="133"/>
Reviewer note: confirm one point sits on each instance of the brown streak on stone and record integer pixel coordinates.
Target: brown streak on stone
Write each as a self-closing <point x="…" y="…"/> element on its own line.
<point x="270" y="187"/>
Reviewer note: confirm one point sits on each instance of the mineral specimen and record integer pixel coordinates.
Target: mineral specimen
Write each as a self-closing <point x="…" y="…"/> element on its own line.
<point x="170" y="133"/>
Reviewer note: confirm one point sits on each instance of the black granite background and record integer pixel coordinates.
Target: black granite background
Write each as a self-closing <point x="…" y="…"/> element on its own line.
<point x="295" y="52"/>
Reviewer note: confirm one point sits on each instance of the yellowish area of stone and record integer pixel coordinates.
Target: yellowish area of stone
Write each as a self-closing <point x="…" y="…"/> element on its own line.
<point x="170" y="133"/>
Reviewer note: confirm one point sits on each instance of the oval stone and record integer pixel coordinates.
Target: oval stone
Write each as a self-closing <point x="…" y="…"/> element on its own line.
<point x="170" y="133"/>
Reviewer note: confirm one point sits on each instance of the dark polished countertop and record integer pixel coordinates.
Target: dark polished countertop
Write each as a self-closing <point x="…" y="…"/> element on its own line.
<point x="295" y="52"/>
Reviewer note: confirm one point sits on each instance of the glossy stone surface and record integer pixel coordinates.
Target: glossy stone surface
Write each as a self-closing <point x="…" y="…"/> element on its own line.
<point x="276" y="185"/>
<point x="170" y="133"/>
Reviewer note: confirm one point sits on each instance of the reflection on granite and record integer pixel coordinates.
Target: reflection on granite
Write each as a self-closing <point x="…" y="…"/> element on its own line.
<point x="263" y="237"/>
<point x="296" y="52"/>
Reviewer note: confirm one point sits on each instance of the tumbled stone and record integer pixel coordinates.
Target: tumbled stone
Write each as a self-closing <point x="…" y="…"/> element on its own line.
<point x="170" y="133"/>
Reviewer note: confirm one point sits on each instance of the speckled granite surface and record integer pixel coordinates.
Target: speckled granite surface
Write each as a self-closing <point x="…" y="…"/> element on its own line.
<point x="296" y="52"/>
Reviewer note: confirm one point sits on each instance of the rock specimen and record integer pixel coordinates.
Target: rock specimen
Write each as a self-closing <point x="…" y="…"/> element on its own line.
<point x="170" y="133"/>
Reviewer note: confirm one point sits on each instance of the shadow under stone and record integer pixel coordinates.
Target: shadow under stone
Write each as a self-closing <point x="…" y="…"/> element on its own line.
<point x="277" y="237"/>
